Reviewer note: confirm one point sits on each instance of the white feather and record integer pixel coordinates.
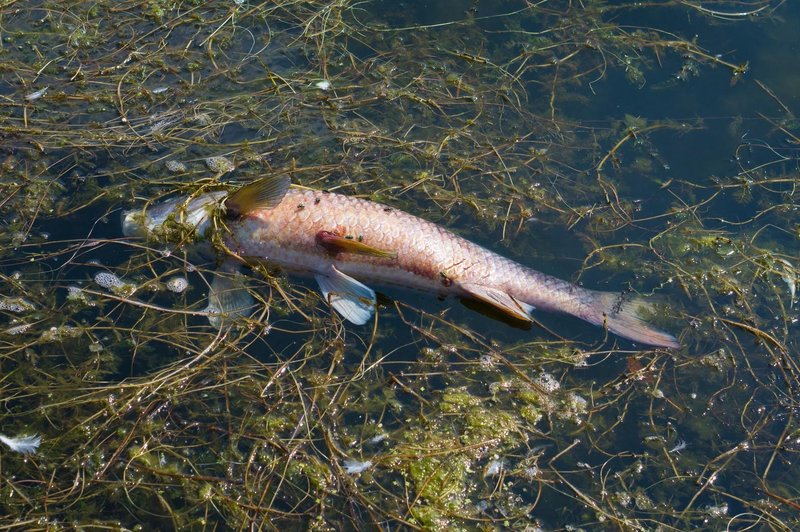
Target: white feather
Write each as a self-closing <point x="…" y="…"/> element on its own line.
<point x="22" y="444"/>
<point x="354" y="467"/>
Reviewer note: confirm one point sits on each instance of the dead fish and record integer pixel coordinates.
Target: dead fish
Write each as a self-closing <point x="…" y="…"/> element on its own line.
<point x="342" y="240"/>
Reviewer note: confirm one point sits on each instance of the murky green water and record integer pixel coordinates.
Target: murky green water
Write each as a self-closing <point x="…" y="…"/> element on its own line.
<point x="649" y="148"/>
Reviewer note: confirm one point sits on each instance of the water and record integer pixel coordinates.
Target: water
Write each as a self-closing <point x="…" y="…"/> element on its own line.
<point x="615" y="145"/>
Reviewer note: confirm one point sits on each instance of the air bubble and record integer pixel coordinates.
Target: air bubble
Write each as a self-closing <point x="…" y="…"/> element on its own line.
<point x="548" y="382"/>
<point x="113" y="283"/>
<point x="177" y="284"/>
<point x="15" y="304"/>
<point x="175" y="167"/>
<point x="220" y="164"/>
<point x="108" y="280"/>
<point x="18" y="329"/>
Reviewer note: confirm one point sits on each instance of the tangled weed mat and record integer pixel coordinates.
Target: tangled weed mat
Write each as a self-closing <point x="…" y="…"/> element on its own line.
<point x="648" y="147"/>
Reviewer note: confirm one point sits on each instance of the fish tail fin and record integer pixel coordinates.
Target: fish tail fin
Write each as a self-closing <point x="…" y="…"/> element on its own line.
<point x="624" y="315"/>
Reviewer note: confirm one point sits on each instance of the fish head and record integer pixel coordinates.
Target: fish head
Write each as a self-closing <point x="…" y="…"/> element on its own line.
<point x="182" y="215"/>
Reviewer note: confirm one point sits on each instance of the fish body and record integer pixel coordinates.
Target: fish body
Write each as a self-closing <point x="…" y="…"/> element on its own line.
<point x="429" y="257"/>
<point x="344" y="241"/>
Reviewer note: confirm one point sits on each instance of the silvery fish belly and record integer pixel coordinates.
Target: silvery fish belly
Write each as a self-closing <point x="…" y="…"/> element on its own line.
<point x="345" y="242"/>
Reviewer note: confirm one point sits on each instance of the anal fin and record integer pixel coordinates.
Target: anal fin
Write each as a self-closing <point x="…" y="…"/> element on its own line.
<point x="499" y="300"/>
<point x="353" y="300"/>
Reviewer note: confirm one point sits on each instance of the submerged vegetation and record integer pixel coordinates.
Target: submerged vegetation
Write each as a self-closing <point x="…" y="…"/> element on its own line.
<point x="572" y="136"/>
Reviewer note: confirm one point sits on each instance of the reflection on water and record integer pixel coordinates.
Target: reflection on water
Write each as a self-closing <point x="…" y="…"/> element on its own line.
<point x="639" y="148"/>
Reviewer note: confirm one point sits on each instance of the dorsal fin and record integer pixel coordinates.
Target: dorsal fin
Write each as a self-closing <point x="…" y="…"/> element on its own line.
<point x="264" y="193"/>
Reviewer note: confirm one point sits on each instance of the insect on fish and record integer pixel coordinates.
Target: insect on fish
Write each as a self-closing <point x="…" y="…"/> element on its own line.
<point x="342" y="241"/>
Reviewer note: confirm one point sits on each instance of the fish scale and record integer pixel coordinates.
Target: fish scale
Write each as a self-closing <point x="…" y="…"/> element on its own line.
<point x="344" y="241"/>
<point x="286" y="234"/>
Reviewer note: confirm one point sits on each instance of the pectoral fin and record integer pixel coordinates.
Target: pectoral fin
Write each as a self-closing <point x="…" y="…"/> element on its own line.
<point x="350" y="298"/>
<point x="264" y="193"/>
<point x="334" y="244"/>
<point x="227" y="296"/>
<point x="499" y="300"/>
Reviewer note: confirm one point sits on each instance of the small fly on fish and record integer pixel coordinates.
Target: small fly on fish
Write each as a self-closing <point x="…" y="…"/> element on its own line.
<point x="344" y="242"/>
